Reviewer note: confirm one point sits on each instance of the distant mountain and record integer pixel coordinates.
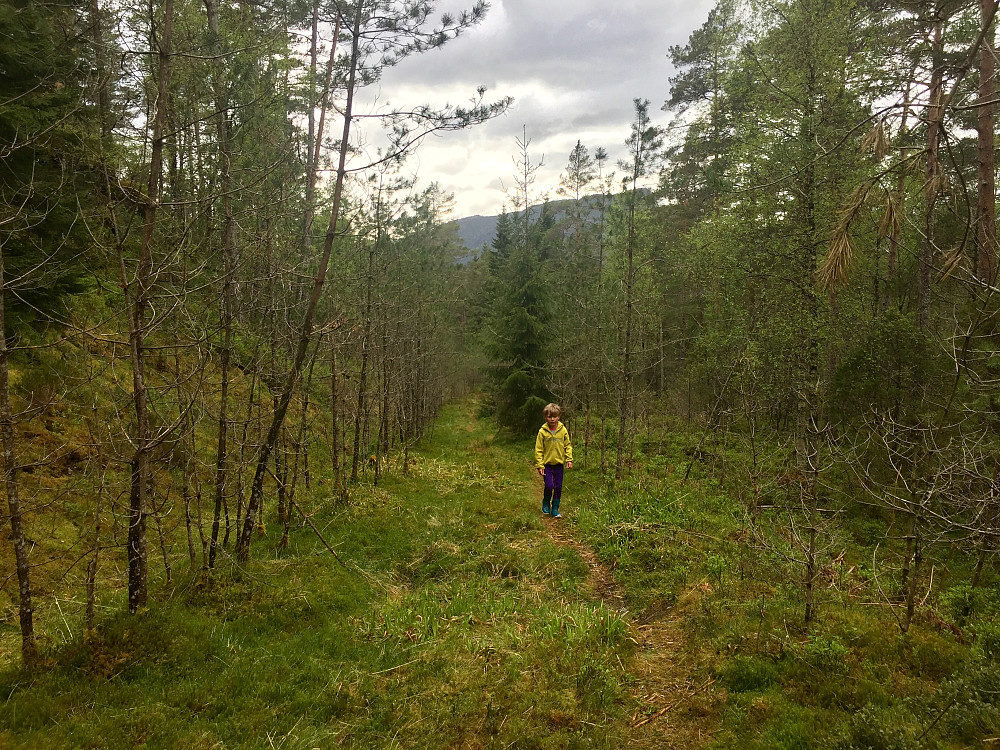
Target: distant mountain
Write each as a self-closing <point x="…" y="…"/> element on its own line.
<point x="477" y="231"/>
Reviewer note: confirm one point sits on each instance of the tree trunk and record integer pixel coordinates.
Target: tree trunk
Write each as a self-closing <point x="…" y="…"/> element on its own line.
<point x="986" y="259"/>
<point x="625" y="397"/>
<point x="360" y="416"/>
<point x="306" y="329"/>
<point x="911" y="589"/>
<point x="896" y="228"/>
<point x="137" y="300"/>
<point x="228" y="270"/>
<point x="933" y="176"/>
<point x="29" y="646"/>
<point x="334" y="416"/>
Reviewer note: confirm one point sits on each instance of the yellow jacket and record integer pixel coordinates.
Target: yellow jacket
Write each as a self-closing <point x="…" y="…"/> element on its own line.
<point x="552" y="447"/>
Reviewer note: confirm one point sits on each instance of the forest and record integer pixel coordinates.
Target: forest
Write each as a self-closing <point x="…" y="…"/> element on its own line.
<point x="260" y="409"/>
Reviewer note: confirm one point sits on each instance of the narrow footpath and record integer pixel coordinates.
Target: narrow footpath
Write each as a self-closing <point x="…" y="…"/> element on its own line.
<point x="673" y="703"/>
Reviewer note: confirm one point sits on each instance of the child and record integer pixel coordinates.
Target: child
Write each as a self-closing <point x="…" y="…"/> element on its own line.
<point x="552" y="451"/>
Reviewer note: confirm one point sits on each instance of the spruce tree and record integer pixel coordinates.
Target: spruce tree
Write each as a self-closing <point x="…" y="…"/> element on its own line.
<point x="42" y="82"/>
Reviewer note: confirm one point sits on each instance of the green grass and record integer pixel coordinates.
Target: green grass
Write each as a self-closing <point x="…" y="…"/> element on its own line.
<point x="457" y="621"/>
<point x="779" y="683"/>
<point x="461" y="620"/>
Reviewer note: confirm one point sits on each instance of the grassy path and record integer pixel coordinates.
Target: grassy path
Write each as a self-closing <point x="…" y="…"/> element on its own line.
<point x="465" y="620"/>
<point x="660" y="670"/>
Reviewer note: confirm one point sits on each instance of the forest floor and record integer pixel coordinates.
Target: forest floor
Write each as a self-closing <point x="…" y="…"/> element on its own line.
<point x="671" y="699"/>
<point x="461" y="618"/>
<point x="456" y="615"/>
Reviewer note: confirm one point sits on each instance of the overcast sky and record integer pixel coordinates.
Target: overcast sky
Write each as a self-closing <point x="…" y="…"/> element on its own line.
<point x="573" y="68"/>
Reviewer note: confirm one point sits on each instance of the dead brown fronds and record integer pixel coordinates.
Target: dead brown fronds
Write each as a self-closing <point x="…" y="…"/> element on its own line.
<point x="937" y="180"/>
<point x="833" y="271"/>
<point x="951" y="261"/>
<point x="891" y="222"/>
<point x="876" y="141"/>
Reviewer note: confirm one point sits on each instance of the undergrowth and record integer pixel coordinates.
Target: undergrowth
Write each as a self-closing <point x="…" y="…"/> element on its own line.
<point x="453" y="620"/>
<point x="457" y="616"/>
<point x="692" y="530"/>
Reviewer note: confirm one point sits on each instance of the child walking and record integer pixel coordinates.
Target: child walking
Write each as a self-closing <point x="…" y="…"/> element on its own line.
<point x="553" y="451"/>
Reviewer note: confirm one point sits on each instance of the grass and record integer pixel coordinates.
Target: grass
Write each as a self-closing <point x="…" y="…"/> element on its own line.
<point x="458" y="622"/>
<point x="464" y="619"/>
<point x="734" y="587"/>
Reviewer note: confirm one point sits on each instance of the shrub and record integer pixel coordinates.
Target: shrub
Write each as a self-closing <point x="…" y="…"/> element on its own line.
<point x="744" y="674"/>
<point x="826" y="655"/>
<point x="988" y="639"/>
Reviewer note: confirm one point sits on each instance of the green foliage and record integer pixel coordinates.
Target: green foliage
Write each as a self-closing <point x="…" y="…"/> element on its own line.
<point x="744" y="673"/>
<point x="875" y="728"/>
<point x="518" y="330"/>
<point x="886" y="369"/>
<point x="987" y="636"/>
<point x="826" y="656"/>
<point x="47" y="185"/>
<point x="963" y="602"/>
<point x="452" y="591"/>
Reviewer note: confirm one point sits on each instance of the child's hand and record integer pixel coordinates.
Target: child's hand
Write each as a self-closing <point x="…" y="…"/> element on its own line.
<point x="541" y="472"/>
<point x="569" y="464"/>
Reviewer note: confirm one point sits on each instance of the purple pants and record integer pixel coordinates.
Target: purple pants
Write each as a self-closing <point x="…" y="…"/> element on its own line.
<point x="553" y="480"/>
<point x="553" y="489"/>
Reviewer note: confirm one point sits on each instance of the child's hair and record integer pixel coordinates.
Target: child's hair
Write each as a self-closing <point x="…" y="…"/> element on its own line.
<point x="552" y="409"/>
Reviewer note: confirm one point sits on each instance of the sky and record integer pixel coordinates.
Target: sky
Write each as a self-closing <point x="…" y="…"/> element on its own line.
<point x="573" y="68"/>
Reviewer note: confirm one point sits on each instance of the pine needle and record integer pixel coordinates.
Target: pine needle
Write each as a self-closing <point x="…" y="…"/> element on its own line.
<point x="834" y="269"/>
<point x="876" y="141"/>
<point x="891" y="222"/>
<point x="951" y="261"/>
<point x="937" y="181"/>
<point x="833" y="272"/>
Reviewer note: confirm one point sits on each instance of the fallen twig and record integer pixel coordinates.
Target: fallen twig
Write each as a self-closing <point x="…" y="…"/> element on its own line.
<point x="923" y="601"/>
<point x="672" y="706"/>
<point x="321" y="538"/>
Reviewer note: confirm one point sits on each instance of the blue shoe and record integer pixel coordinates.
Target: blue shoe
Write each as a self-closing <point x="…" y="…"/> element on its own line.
<point x="545" y="509"/>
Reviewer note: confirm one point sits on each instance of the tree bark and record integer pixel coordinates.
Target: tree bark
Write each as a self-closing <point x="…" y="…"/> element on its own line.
<point x="932" y="177"/>
<point x="245" y="537"/>
<point x="137" y="300"/>
<point x="986" y="258"/>
<point x="29" y="646"/>
<point x="228" y="271"/>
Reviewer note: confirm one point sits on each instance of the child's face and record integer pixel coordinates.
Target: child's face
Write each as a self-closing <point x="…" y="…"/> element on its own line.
<point x="552" y="420"/>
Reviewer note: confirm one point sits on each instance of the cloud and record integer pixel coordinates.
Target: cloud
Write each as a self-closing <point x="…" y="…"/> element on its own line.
<point x="573" y="67"/>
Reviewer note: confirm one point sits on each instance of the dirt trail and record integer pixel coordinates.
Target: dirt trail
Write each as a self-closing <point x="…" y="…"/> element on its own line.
<point x="676" y="701"/>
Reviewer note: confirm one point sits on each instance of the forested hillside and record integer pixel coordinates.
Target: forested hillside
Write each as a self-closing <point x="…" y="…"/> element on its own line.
<point x="231" y="318"/>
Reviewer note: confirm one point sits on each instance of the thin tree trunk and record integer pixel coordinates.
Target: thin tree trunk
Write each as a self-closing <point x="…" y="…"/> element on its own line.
<point x="315" y="142"/>
<point x="228" y="271"/>
<point x="22" y="566"/>
<point x="896" y="228"/>
<point x="92" y="564"/>
<point x="625" y="399"/>
<point x="305" y="333"/>
<point x="360" y="420"/>
<point x="986" y="203"/>
<point x="932" y="176"/>
<point x="911" y="590"/>
<point x="137" y="300"/>
<point x="334" y="415"/>
<point x="188" y="449"/>
<point x="164" y="547"/>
